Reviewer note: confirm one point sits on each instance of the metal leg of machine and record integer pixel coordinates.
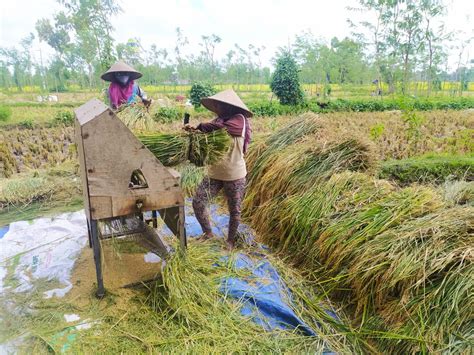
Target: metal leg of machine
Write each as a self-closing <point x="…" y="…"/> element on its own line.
<point x="182" y="229"/>
<point x="154" y="216"/>
<point x="174" y="219"/>
<point x="94" y="236"/>
<point x="89" y="234"/>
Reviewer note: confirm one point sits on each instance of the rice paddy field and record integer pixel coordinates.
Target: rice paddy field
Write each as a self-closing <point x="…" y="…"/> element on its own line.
<point x="370" y="214"/>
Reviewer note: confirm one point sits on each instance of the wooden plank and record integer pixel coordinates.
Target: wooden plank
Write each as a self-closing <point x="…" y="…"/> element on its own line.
<point x="101" y="207"/>
<point x="112" y="153"/>
<point x="123" y="205"/>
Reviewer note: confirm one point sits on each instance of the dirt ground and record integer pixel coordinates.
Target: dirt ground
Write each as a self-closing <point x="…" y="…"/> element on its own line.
<point x="119" y="269"/>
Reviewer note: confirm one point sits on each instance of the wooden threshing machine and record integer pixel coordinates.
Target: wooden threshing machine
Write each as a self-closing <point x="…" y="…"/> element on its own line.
<point x="121" y="180"/>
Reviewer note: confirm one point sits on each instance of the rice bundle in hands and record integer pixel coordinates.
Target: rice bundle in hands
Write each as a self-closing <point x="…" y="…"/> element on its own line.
<point x="208" y="148"/>
<point x="199" y="148"/>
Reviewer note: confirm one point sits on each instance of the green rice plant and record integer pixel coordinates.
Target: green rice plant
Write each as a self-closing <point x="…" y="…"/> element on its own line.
<point x="310" y="212"/>
<point x="291" y="133"/>
<point x="136" y="118"/>
<point x="430" y="169"/>
<point x="208" y="148"/>
<point x="170" y="149"/>
<point x="191" y="177"/>
<point x="266" y="152"/>
<point x="199" y="148"/>
<point x="5" y="113"/>
<point x="299" y="167"/>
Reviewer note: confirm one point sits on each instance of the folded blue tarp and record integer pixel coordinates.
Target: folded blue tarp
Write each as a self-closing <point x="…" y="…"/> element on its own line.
<point x="267" y="300"/>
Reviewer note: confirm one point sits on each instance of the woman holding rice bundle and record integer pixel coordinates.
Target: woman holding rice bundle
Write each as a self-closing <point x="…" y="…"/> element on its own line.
<point x="229" y="173"/>
<point x="123" y="90"/>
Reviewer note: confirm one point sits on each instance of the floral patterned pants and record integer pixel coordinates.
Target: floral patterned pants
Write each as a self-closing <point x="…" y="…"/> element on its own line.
<point x="208" y="189"/>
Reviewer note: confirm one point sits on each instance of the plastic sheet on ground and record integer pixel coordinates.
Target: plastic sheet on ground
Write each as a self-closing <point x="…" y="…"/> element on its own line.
<point x="45" y="248"/>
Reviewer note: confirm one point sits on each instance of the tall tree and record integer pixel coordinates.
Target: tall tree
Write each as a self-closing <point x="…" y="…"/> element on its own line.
<point x="285" y="80"/>
<point x="398" y="37"/>
<point x="89" y="21"/>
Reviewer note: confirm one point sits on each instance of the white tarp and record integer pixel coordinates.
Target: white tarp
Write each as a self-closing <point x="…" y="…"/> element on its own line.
<point x="45" y="248"/>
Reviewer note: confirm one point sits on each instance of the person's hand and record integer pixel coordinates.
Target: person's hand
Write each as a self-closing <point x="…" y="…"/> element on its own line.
<point x="147" y="103"/>
<point x="187" y="127"/>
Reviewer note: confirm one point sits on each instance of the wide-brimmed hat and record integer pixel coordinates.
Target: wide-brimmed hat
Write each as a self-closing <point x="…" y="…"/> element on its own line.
<point x="220" y="102"/>
<point x="122" y="68"/>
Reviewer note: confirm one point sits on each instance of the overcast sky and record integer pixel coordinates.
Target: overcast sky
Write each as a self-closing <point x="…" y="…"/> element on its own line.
<point x="271" y="23"/>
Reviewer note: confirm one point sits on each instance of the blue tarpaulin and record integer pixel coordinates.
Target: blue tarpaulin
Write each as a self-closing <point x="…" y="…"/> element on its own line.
<point x="266" y="298"/>
<point x="4" y="230"/>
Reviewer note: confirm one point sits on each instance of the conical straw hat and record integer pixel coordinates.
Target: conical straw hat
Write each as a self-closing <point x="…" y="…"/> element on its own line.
<point x="120" y="67"/>
<point x="220" y="102"/>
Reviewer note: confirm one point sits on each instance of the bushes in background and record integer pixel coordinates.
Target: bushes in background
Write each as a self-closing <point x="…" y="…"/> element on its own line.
<point x="429" y="169"/>
<point x="5" y="113"/>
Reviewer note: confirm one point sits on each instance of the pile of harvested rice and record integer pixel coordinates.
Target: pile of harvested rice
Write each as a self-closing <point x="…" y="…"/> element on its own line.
<point x="186" y="313"/>
<point x="400" y="258"/>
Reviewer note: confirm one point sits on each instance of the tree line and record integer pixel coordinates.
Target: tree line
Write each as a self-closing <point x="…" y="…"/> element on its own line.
<point x="402" y="43"/>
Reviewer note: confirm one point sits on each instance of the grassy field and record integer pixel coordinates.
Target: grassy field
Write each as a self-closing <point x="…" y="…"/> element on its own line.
<point x="418" y="88"/>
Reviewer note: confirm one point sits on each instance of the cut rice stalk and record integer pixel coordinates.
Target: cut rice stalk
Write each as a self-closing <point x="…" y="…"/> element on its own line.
<point x="200" y="148"/>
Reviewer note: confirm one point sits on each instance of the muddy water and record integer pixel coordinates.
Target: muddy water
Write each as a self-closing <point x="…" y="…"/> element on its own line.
<point x="119" y="269"/>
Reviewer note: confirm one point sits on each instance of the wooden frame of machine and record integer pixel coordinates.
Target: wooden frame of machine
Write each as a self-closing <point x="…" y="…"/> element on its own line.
<point x="121" y="180"/>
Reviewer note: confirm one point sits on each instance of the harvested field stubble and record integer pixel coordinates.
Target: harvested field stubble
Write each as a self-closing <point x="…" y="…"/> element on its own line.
<point x="440" y="131"/>
<point x="400" y="258"/>
<point x="39" y="147"/>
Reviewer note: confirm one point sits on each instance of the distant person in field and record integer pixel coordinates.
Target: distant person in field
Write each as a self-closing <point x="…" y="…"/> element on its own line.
<point x="123" y="90"/>
<point x="230" y="172"/>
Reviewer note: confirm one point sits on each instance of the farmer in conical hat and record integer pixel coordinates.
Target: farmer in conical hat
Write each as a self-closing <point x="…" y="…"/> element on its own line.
<point x="230" y="172"/>
<point x="123" y="89"/>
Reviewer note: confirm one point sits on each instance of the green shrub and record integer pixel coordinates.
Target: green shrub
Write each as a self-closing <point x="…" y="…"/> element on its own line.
<point x="408" y="105"/>
<point x="28" y="124"/>
<point x="376" y="131"/>
<point x="5" y="113"/>
<point x="267" y="108"/>
<point x="65" y="118"/>
<point x="198" y="91"/>
<point x="167" y="114"/>
<point x="285" y="82"/>
<point x="429" y="169"/>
